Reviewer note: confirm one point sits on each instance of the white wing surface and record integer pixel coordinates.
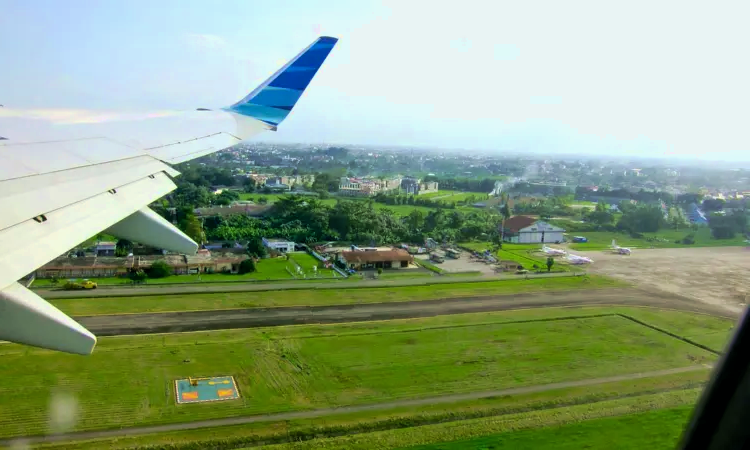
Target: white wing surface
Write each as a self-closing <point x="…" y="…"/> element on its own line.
<point x="66" y="175"/>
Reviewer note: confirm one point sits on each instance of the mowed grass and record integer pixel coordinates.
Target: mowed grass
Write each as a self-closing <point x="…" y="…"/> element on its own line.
<point x="323" y="295"/>
<point x="600" y="240"/>
<point x="655" y="429"/>
<point x="129" y="380"/>
<point x="520" y="429"/>
<point x="402" y="417"/>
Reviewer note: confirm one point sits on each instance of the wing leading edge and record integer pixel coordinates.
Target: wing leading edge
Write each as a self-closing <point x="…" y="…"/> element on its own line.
<point x="68" y="175"/>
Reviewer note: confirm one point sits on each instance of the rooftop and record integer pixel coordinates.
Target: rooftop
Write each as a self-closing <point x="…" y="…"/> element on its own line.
<point x="377" y="256"/>
<point x="517" y="223"/>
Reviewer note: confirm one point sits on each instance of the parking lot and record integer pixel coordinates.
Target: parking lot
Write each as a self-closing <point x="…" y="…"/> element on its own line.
<point x="714" y="275"/>
<point x="462" y="264"/>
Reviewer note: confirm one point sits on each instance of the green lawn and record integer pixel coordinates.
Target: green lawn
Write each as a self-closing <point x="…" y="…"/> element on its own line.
<point x="402" y="417"/>
<point x="307" y="262"/>
<point x="600" y="240"/>
<point x="655" y="429"/>
<point x="524" y="254"/>
<point x="128" y="380"/>
<point x="322" y="295"/>
<point x="519" y="431"/>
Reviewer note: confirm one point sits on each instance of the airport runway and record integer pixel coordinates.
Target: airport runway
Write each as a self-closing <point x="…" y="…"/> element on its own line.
<point x="172" y="322"/>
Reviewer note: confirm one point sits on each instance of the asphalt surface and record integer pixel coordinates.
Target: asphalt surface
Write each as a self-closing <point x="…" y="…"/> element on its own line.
<point x="173" y="322"/>
<point x="103" y="434"/>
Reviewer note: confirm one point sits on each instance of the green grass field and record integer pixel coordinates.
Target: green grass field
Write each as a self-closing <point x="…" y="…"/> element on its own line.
<point x="520" y="430"/>
<point x="524" y="254"/>
<point x="324" y="294"/>
<point x="403" y="417"/>
<point x="655" y="429"/>
<point x="128" y="380"/>
<point x="600" y="240"/>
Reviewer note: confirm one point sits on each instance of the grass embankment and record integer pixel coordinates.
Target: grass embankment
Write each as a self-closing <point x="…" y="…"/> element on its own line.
<point x="516" y="427"/>
<point x="601" y="240"/>
<point x="655" y="429"/>
<point x="395" y="418"/>
<point x="324" y="294"/>
<point x="128" y="381"/>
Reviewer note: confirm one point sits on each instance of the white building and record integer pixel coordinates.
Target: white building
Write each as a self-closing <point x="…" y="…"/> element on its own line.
<point x="104" y="248"/>
<point x="527" y="230"/>
<point x="280" y="245"/>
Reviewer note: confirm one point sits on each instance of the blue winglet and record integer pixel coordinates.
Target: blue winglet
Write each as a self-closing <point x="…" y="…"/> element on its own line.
<point x="273" y="100"/>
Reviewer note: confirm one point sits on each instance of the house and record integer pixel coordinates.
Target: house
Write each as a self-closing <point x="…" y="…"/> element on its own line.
<point x="280" y="245"/>
<point x="105" y="248"/>
<point x="528" y="230"/>
<point x="93" y="267"/>
<point x="377" y="259"/>
<point x="413" y="186"/>
<point x="695" y="215"/>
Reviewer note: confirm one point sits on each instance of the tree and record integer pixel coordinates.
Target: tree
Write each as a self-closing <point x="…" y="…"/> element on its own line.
<point x="505" y="211"/>
<point x="188" y="194"/>
<point x="642" y="219"/>
<point x="600" y="217"/>
<point x="713" y="204"/>
<point x="256" y="248"/>
<point x="191" y="226"/>
<point x="550" y="263"/>
<point x="727" y="226"/>
<point x="159" y="269"/>
<point x="123" y="247"/>
<point x="247" y="266"/>
<point x="137" y="276"/>
<point x="249" y="185"/>
<point x="226" y="197"/>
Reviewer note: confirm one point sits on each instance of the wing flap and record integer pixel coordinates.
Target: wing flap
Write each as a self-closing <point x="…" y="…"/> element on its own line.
<point x="27" y="197"/>
<point x="26" y="318"/>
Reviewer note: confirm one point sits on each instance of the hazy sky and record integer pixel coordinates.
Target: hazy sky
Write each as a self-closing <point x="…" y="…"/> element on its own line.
<point x="646" y="78"/>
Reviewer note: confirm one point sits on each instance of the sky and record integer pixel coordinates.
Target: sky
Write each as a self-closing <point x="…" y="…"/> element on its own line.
<point x="637" y="78"/>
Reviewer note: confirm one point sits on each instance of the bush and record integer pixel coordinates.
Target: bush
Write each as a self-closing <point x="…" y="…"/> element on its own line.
<point x="137" y="276"/>
<point x="688" y="240"/>
<point x="380" y="271"/>
<point x="159" y="269"/>
<point x="247" y="266"/>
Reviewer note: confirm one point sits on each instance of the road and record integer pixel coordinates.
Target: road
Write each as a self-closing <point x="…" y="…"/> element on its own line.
<point x="203" y="288"/>
<point x="172" y="322"/>
<point x="85" y="435"/>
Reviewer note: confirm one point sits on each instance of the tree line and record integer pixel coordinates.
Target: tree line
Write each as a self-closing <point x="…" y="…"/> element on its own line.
<point x="308" y="220"/>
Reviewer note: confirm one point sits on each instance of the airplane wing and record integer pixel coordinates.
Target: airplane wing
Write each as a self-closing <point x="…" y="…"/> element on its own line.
<point x="66" y="175"/>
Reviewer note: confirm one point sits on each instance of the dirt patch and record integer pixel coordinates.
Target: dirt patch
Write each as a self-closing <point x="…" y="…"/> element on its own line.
<point x="712" y="275"/>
